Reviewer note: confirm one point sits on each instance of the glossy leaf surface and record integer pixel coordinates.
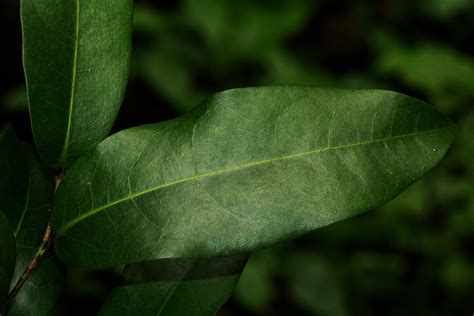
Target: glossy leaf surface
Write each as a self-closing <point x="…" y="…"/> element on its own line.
<point x="7" y="259"/>
<point x="43" y="288"/>
<point x="76" y="58"/>
<point x="246" y="169"/>
<point x="176" y="287"/>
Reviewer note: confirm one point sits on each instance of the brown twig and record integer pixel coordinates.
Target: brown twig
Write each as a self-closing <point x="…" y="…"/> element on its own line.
<point x="45" y="245"/>
<point x="58" y="177"/>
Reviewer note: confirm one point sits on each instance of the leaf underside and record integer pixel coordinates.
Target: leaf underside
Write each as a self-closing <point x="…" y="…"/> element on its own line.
<point x="76" y="58"/>
<point x="246" y="169"/>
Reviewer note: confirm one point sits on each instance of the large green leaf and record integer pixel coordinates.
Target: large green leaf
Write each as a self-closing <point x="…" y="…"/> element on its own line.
<point x="13" y="177"/>
<point x="7" y="259"/>
<point x="44" y="286"/>
<point x="248" y="168"/>
<point x="176" y="287"/>
<point x="76" y="58"/>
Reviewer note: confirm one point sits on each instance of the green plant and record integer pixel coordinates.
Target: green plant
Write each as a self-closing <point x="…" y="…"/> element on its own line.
<point x="181" y="203"/>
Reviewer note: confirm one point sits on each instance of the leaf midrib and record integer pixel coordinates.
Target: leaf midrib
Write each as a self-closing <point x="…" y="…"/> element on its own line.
<point x="66" y="226"/>
<point x="73" y="85"/>
<point x="170" y="294"/>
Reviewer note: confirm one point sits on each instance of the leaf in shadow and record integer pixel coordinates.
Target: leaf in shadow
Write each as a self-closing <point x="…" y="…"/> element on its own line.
<point x="176" y="287"/>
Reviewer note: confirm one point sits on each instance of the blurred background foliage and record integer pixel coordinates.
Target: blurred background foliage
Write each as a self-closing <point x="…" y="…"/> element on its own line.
<point x="414" y="256"/>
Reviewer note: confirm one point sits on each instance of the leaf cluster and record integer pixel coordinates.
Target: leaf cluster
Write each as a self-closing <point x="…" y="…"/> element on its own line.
<point x="182" y="203"/>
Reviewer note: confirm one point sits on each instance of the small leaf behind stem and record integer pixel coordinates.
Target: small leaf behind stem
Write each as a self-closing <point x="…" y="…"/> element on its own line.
<point x="176" y="287"/>
<point x="7" y="259"/>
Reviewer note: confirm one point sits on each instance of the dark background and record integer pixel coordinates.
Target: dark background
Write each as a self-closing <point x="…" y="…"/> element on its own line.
<point x="414" y="256"/>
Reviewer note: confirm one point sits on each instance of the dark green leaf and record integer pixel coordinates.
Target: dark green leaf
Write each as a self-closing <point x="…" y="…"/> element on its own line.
<point x="13" y="179"/>
<point x="44" y="286"/>
<point x="37" y="208"/>
<point x="76" y="58"/>
<point x="7" y="259"/>
<point x="245" y="170"/>
<point x="42" y="290"/>
<point x="176" y="287"/>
